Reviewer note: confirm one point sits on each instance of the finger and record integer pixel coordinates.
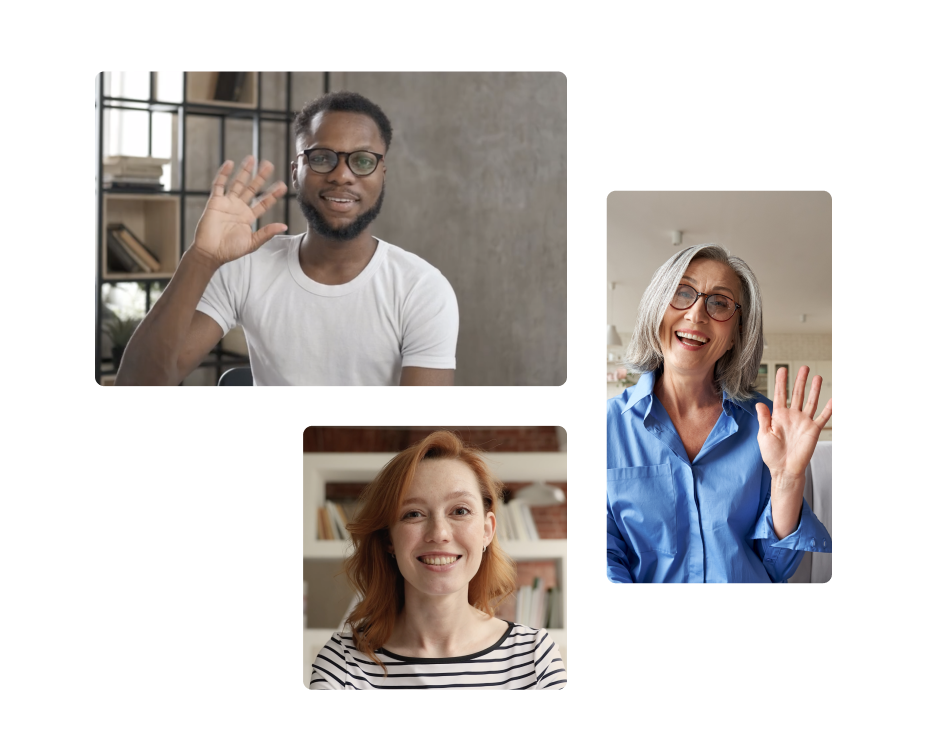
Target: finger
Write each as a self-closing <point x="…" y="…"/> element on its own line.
<point x="260" y="207"/>
<point x="799" y="388"/>
<point x="265" y="233"/>
<point x="219" y="182"/>
<point x="812" y="402"/>
<point x="243" y="176"/>
<point x="763" y="417"/>
<point x="254" y="187"/>
<point x="822" y="419"/>
<point x="779" y="389"/>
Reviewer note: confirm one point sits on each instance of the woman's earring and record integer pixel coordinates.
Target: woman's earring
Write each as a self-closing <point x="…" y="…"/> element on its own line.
<point x="484" y="548"/>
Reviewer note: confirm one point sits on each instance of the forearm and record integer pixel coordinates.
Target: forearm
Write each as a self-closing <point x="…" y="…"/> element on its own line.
<point x="151" y="357"/>
<point x="786" y="502"/>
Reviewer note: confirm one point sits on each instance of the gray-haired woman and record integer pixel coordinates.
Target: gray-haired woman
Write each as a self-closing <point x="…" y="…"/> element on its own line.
<point x="703" y="485"/>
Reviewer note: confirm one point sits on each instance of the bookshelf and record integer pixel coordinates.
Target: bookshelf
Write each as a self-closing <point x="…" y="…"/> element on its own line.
<point x="164" y="219"/>
<point x="322" y="468"/>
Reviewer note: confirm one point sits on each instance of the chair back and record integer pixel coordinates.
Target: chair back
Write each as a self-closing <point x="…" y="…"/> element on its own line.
<point x="239" y="376"/>
<point x="816" y="566"/>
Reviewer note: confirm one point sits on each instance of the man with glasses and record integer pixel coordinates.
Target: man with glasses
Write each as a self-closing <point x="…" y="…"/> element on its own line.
<point x="335" y="305"/>
<point x="340" y="180"/>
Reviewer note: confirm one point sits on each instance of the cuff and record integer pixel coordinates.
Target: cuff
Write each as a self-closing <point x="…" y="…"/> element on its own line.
<point x="810" y="534"/>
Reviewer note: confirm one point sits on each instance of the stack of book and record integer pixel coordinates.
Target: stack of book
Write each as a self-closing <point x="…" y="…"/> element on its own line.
<point x="332" y="522"/>
<point x="136" y="173"/>
<point x="537" y="607"/>
<point x="515" y="522"/>
<point x="127" y="253"/>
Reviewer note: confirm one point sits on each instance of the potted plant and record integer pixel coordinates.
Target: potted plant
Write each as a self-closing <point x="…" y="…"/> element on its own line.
<point x="119" y="330"/>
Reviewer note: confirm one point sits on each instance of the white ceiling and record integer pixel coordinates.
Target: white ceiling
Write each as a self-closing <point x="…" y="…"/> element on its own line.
<point x="784" y="236"/>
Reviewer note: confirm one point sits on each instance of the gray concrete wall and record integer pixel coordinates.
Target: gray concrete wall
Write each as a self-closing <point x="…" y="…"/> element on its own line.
<point x="477" y="186"/>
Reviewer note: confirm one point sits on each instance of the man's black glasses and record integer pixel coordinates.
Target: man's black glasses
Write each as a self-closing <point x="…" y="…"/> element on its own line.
<point x="718" y="306"/>
<point x="361" y="163"/>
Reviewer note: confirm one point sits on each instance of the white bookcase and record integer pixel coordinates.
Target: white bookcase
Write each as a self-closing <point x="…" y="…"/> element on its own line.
<point x="320" y="468"/>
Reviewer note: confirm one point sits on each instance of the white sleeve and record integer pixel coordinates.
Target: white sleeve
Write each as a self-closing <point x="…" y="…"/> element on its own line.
<point x="223" y="295"/>
<point x="430" y="323"/>
<point x="330" y="668"/>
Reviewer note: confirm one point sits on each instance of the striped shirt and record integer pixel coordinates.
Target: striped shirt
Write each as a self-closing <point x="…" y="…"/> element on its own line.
<point x="522" y="659"/>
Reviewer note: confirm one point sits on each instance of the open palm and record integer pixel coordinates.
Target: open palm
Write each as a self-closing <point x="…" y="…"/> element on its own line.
<point x="224" y="232"/>
<point x="787" y="440"/>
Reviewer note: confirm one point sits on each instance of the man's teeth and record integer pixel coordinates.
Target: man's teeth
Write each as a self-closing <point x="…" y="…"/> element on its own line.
<point x="686" y="335"/>
<point x="438" y="561"/>
<point x="338" y="200"/>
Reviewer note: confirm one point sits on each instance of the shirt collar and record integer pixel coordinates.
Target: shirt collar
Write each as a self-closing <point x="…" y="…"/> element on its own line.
<point x="645" y="388"/>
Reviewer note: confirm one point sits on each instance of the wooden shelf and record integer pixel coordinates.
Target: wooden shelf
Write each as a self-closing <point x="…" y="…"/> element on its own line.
<point x="201" y="87"/>
<point x="154" y="219"/>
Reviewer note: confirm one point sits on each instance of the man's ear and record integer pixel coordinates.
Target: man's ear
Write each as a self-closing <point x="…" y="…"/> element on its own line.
<point x="293" y="170"/>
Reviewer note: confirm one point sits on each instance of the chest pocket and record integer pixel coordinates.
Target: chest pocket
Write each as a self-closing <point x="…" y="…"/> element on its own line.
<point x="644" y="503"/>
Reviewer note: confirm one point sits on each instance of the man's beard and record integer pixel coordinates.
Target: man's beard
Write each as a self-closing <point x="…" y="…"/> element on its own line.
<point x="320" y="226"/>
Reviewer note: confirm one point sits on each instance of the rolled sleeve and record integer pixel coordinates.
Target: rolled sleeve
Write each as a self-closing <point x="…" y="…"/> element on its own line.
<point x="781" y="557"/>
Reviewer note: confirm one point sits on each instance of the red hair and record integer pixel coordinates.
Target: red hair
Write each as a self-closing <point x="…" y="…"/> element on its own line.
<point x="376" y="576"/>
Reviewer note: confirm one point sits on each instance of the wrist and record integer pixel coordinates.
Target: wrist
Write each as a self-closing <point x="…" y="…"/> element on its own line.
<point x="786" y="502"/>
<point x="204" y="259"/>
<point x="784" y="481"/>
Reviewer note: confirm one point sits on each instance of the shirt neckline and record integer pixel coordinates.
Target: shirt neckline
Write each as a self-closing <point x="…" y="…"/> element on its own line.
<point x="342" y="289"/>
<point x="433" y="660"/>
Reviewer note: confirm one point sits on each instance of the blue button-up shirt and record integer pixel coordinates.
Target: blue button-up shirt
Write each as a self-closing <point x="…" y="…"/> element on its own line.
<point x="709" y="520"/>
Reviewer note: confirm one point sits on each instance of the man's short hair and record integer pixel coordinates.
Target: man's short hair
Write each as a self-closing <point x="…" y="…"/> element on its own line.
<point x="343" y="101"/>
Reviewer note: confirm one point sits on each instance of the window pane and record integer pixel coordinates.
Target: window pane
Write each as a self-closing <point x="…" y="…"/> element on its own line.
<point x="169" y="86"/>
<point x="127" y="132"/>
<point x="129" y="85"/>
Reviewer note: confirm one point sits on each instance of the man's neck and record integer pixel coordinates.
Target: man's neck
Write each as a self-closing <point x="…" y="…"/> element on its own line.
<point x="335" y="262"/>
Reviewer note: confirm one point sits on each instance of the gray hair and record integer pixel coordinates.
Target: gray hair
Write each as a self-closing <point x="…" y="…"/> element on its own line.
<point x="736" y="371"/>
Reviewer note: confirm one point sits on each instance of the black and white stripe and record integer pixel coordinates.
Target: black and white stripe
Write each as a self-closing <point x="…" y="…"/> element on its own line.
<point x="523" y="659"/>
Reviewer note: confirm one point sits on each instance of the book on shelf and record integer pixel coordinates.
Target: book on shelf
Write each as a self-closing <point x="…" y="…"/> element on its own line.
<point x="229" y="86"/>
<point x="121" y="256"/>
<point x="332" y="519"/>
<point x="514" y="522"/>
<point x="123" y="164"/>
<point x="340" y="528"/>
<point x="139" y="248"/>
<point x="538" y="607"/>
<point x="127" y="252"/>
<point x="553" y="617"/>
<point x="153" y="186"/>
<point x="124" y="171"/>
<point x="325" y="527"/>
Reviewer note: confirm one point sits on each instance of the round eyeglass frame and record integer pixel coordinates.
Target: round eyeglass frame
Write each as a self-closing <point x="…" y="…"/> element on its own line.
<point x="338" y="156"/>
<point x="708" y="296"/>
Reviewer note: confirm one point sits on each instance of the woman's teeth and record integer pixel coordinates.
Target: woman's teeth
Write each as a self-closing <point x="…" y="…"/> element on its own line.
<point x="687" y="336"/>
<point x="438" y="561"/>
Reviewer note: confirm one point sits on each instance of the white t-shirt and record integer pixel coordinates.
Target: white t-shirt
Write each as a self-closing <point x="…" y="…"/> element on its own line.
<point x="399" y="311"/>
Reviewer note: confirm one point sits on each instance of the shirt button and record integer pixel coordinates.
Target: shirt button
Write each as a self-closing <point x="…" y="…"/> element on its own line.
<point x="813" y="543"/>
<point x="824" y="544"/>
